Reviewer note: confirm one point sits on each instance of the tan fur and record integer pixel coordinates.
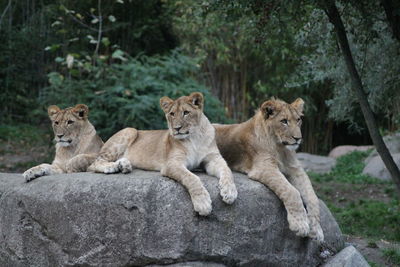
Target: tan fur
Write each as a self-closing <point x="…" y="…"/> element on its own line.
<point x="264" y="148"/>
<point x="188" y="143"/>
<point x="77" y="144"/>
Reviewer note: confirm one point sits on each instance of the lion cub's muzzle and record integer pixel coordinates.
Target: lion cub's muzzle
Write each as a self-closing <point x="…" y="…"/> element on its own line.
<point x="180" y="133"/>
<point x="293" y="145"/>
<point x="63" y="141"/>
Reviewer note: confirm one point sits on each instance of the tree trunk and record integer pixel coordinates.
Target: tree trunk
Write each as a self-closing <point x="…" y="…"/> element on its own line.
<point x="334" y="17"/>
<point x="393" y="17"/>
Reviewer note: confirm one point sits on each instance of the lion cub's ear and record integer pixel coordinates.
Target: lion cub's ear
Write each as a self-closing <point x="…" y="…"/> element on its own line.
<point x="270" y="108"/>
<point x="81" y="110"/>
<point x="298" y="105"/>
<point x="197" y="99"/>
<point x="53" y="110"/>
<point x="165" y="103"/>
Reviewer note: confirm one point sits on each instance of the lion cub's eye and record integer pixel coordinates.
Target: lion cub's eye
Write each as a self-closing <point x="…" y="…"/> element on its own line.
<point x="186" y="112"/>
<point x="172" y="114"/>
<point x="56" y="122"/>
<point x="70" y="122"/>
<point x="284" y="121"/>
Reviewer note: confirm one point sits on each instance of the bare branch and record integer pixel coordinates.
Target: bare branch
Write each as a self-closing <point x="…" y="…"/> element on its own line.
<point x="96" y="51"/>
<point x="5" y="11"/>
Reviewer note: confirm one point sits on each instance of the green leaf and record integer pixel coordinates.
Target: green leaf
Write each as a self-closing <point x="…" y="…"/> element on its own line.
<point x="105" y="41"/>
<point x="59" y="59"/>
<point x="111" y="18"/>
<point x="119" y="54"/>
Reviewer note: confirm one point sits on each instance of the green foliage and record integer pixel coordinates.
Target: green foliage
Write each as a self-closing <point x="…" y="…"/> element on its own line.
<point x="34" y="33"/>
<point x="370" y="218"/>
<point x="127" y="93"/>
<point x="24" y="133"/>
<point x="392" y="255"/>
<point x="375" y="53"/>
<point x="243" y="66"/>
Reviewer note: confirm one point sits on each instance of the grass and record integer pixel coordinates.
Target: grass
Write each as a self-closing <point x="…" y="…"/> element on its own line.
<point x="363" y="206"/>
<point x="392" y="255"/>
<point x="23" y="146"/>
<point x="369" y="218"/>
<point x="25" y="135"/>
<point x="348" y="170"/>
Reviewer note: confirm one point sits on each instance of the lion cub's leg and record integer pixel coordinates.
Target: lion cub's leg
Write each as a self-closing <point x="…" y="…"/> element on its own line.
<point x="41" y="170"/>
<point x="109" y="159"/>
<point x="301" y="181"/>
<point x="80" y="162"/>
<point x="215" y="165"/>
<point x="198" y="193"/>
<point x="277" y="182"/>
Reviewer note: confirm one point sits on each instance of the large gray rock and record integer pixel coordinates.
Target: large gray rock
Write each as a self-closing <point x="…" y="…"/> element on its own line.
<point x="393" y="144"/>
<point x="348" y="257"/>
<point x="142" y="218"/>
<point x="343" y="150"/>
<point x="315" y="163"/>
<point x="376" y="168"/>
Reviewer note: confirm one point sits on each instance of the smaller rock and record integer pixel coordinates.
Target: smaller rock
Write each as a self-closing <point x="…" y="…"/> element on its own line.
<point x="191" y="264"/>
<point x="315" y="163"/>
<point x="343" y="150"/>
<point x="376" y="168"/>
<point x="347" y="257"/>
<point x="393" y="144"/>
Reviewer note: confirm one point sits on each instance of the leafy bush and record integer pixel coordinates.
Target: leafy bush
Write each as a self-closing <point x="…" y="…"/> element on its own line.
<point x="127" y="93"/>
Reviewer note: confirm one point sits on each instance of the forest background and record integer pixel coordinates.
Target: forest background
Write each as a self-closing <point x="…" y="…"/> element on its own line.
<point x="120" y="57"/>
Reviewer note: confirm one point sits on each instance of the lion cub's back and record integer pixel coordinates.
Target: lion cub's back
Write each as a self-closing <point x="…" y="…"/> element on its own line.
<point x="148" y="151"/>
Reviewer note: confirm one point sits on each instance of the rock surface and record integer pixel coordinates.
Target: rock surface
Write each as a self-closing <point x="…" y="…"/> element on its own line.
<point x="393" y="144"/>
<point x="376" y="167"/>
<point x="142" y="218"/>
<point x="348" y="257"/>
<point x="315" y="163"/>
<point x="343" y="150"/>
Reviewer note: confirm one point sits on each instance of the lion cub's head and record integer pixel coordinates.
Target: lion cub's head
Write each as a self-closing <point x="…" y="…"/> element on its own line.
<point x="183" y="114"/>
<point x="67" y="123"/>
<point x="284" y="120"/>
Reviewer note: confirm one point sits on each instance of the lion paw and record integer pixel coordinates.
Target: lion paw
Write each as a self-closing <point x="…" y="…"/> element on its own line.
<point x="316" y="232"/>
<point x="298" y="223"/>
<point x="202" y="203"/>
<point x="124" y="165"/>
<point x="228" y="193"/>
<point x="33" y="173"/>
<point x="112" y="167"/>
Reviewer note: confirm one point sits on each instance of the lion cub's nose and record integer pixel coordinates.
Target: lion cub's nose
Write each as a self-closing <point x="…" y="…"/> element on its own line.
<point x="178" y="128"/>
<point x="296" y="138"/>
<point x="60" y="135"/>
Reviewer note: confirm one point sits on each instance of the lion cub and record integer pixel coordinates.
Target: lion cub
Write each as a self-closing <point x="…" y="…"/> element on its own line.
<point x="188" y="142"/>
<point x="77" y="143"/>
<point x="264" y="148"/>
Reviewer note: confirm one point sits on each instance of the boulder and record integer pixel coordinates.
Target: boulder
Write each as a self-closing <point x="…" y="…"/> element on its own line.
<point x="142" y="218"/>
<point x="393" y="144"/>
<point x="376" y="168"/>
<point x="343" y="150"/>
<point x="315" y="163"/>
<point x="348" y="257"/>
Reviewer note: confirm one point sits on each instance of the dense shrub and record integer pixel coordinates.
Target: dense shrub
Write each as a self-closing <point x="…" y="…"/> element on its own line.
<point x="127" y="93"/>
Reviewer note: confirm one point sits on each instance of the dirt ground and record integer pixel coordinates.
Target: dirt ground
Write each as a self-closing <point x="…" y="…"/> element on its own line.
<point x="372" y="251"/>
